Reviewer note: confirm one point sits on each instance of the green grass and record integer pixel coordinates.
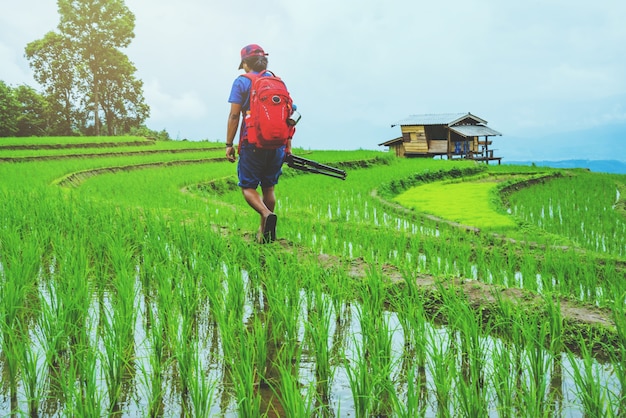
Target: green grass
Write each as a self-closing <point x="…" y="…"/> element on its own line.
<point x="64" y="140"/>
<point x="136" y="292"/>
<point x="466" y="202"/>
<point x="78" y="152"/>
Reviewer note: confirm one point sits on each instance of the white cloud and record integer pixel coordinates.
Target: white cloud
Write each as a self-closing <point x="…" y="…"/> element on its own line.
<point x="354" y="67"/>
<point x="184" y="105"/>
<point x="12" y="72"/>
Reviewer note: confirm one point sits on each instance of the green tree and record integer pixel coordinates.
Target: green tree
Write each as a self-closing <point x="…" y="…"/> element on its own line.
<point x="34" y="115"/>
<point x="122" y="99"/>
<point x="99" y="79"/>
<point x="9" y="111"/>
<point x="55" y="64"/>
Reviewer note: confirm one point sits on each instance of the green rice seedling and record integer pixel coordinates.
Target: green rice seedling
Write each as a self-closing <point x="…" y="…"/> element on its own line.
<point x="184" y="355"/>
<point x="318" y="328"/>
<point x="536" y="363"/>
<point x="507" y="355"/>
<point x="414" y="405"/>
<point x="619" y="353"/>
<point x="265" y="349"/>
<point x="555" y="391"/>
<point x="586" y="374"/>
<point x="409" y="306"/>
<point x="471" y="387"/>
<point x="466" y="328"/>
<point x="552" y="304"/>
<point x="361" y="380"/>
<point x="376" y="340"/>
<point x="33" y="377"/>
<point x="245" y="376"/>
<point x="442" y="366"/>
<point x="11" y="347"/>
<point x="556" y="347"/>
<point x="284" y="349"/>
<point x="113" y="359"/>
<point x="342" y="333"/>
<point x="66" y="377"/>
<point x="284" y="301"/>
<point x="66" y="295"/>
<point x="185" y="331"/>
<point x="235" y="297"/>
<point x="239" y="342"/>
<point x="202" y="391"/>
<point x="384" y="366"/>
<point x="90" y="400"/>
<point x="196" y="389"/>
<point x="119" y="319"/>
<point x="51" y="325"/>
<point x="293" y="402"/>
<point x="153" y="372"/>
<point x="412" y="317"/>
<point x="504" y="378"/>
<point x="20" y="262"/>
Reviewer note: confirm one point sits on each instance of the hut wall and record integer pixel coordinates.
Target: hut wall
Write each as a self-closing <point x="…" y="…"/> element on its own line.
<point x="438" y="147"/>
<point x="398" y="150"/>
<point x="418" y="143"/>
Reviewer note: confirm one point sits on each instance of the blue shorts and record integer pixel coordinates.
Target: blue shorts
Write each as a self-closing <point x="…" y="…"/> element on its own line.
<point x="259" y="166"/>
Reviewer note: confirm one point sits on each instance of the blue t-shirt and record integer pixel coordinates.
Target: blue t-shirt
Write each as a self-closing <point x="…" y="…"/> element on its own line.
<point x="240" y="94"/>
<point x="240" y="91"/>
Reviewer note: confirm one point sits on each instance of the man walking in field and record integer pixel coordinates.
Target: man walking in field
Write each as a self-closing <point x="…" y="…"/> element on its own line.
<point x="259" y="165"/>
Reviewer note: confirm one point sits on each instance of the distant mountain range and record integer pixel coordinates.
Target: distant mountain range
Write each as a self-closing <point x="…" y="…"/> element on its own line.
<point x="598" y="166"/>
<point x="596" y="147"/>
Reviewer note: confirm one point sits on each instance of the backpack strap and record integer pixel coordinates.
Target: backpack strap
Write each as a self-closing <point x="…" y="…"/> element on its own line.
<point x="246" y="103"/>
<point x="252" y="77"/>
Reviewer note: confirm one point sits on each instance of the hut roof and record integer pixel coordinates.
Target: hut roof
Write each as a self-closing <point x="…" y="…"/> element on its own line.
<point x="474" y="130"/>
<point x="391" y="141"/>
<point x="448" y="119"/>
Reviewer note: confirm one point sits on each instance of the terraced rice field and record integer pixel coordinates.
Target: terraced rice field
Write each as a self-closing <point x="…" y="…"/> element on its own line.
<point x="131" y="285"/>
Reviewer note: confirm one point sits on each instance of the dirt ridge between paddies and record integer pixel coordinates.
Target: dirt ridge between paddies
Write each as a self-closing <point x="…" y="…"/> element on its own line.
<point x="592" y="322"/>
<point x="76" y="145"/>
<point x="100" y="155"/>
<point x="77" y="178"/>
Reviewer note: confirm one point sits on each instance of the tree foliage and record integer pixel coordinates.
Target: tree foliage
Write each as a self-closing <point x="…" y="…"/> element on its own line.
<point x="55" y="65"/>
<point x="34" y="117"/>
<point x="83" y="71"/>
<point x="23" y="112"/>
<point x="9" y="110"/>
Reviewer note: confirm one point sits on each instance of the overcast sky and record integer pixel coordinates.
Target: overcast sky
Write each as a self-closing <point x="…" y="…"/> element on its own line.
<point x="354" y="67"/>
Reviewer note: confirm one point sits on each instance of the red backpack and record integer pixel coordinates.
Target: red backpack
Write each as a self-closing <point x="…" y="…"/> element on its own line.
<point x="270" y="107"/>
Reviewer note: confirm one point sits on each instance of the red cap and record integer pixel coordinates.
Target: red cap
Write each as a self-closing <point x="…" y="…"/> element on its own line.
<point x="251" y="51"/>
